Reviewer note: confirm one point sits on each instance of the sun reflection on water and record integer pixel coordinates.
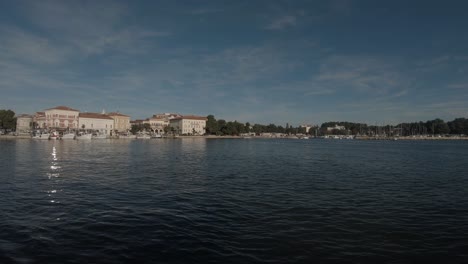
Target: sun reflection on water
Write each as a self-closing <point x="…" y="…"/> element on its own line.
<point x="53" y="173"/>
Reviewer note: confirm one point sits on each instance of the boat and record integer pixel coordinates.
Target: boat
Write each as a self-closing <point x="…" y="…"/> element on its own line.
<point x="84" y="136"/>
<point x="99" y="136"/>
<point x="69" y="136"/>
<point x="143" y="136"/>
<point x="54" y="135"/>
<point x="156" y="136"/>
<point x="129" y="136"/>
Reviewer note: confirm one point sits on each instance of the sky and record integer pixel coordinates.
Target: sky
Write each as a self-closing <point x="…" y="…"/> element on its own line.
<point x="296" y="62"/>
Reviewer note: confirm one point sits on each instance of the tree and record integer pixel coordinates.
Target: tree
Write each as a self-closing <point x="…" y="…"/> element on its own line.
<point x="211" y="125"/>
<point x="247" y="127"/>
<point x="135" y="128"/>
<point x="222" y="129"/>
<point x="458" y="126"/>
<point x="147" y="127"/>
<point x="437" y="126"/>
<point x="7" y="119"/>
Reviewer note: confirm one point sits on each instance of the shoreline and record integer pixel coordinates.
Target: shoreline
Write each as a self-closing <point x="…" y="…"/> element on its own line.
<point x="11" y="137"/>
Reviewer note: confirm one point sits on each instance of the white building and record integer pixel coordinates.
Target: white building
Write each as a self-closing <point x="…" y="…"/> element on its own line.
<point x="307" y="128"/>
<point x="189" y="125"/>
<point x="95" y="122"/>
<point x="61" y="118"/>
<point x="24" y="123"/>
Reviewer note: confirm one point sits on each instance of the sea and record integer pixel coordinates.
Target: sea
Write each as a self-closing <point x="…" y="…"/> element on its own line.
<point x="197" y="200"/>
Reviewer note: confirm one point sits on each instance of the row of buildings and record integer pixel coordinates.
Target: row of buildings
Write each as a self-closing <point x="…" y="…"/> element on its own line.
<point x="63" y="118"/>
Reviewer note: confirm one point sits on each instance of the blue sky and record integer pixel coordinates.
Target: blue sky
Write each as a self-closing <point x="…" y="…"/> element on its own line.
<point x="251" y="61"/>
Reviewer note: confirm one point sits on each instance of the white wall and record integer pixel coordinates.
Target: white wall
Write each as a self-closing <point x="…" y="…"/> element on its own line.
<point x="104" y="126"/>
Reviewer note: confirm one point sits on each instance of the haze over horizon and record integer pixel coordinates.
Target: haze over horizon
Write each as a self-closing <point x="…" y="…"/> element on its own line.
<point x="252" y="61"/>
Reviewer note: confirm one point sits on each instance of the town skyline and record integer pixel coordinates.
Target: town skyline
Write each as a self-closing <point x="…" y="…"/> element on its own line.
<point x="263" y="62"/>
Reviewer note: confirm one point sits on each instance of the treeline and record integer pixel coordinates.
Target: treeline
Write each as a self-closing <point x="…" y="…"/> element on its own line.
<point x="431" y="127"/>
<point x="233" y="128"/>
<point x="7" y="120"/>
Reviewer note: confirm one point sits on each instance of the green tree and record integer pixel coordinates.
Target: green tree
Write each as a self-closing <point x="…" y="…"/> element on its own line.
<point x="146" y="127"/>
<point x="211" y="125"/>
<point x="222" y="127"/>
<point x="247" y="127"/>
<point x="135" y="128"/>
<point x="7" y="119"/>
<point x="458" y="126"/>
<point x="436" y="126"/>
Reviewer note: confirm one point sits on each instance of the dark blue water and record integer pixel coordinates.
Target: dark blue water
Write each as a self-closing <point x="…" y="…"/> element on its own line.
<point x="233" y="201"/>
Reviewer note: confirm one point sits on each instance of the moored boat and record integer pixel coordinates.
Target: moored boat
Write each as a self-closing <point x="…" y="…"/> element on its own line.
<point x="99" y="136"/>
<point x="143" y="136"/>
<point x="84" y="136"/>
<point x="54" y="135"/>
<point x="69" y="136"/>
<point x="127" y="136"/>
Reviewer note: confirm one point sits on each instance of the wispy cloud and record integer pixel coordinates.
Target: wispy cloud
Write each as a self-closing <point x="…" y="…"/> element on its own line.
<point x="282" y="23"/>
<point x="362" y="74"/>
<point x="90" y="27"/>
<point x="204" y="11"/>
<point x="22" y="46"/>
<point x="462" y="85"/>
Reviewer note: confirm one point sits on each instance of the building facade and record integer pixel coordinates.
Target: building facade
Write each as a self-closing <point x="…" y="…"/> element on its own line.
<point x="39" y="120"/>
<point x="94" y="122"/>
<point x="158" y="124"/>
<point x="24" y="123"/>
<point x="121" y="122"/>
<point x="188" y="125"/>
<point x="61" y="118"/>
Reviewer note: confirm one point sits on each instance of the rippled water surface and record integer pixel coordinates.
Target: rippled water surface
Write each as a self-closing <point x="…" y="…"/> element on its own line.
<point x="233" y="201"/>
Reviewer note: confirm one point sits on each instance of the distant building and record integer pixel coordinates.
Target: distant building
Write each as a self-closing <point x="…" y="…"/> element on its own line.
<point x="157" y="124"/>
<point x="189" y="125"/>
<point x="95" y="122"/>
<point x="24" y="123"/>
<point x="61" y="118"/>
<point x="121" y="121"/>
<point x="39" y="120"/>
<point x="159" y="121"/>
<point x="307" y="127"/>
<point x="137" y="122"/>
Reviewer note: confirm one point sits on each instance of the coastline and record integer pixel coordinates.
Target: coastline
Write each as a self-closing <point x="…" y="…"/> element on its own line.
<point x="416" y="138"/>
